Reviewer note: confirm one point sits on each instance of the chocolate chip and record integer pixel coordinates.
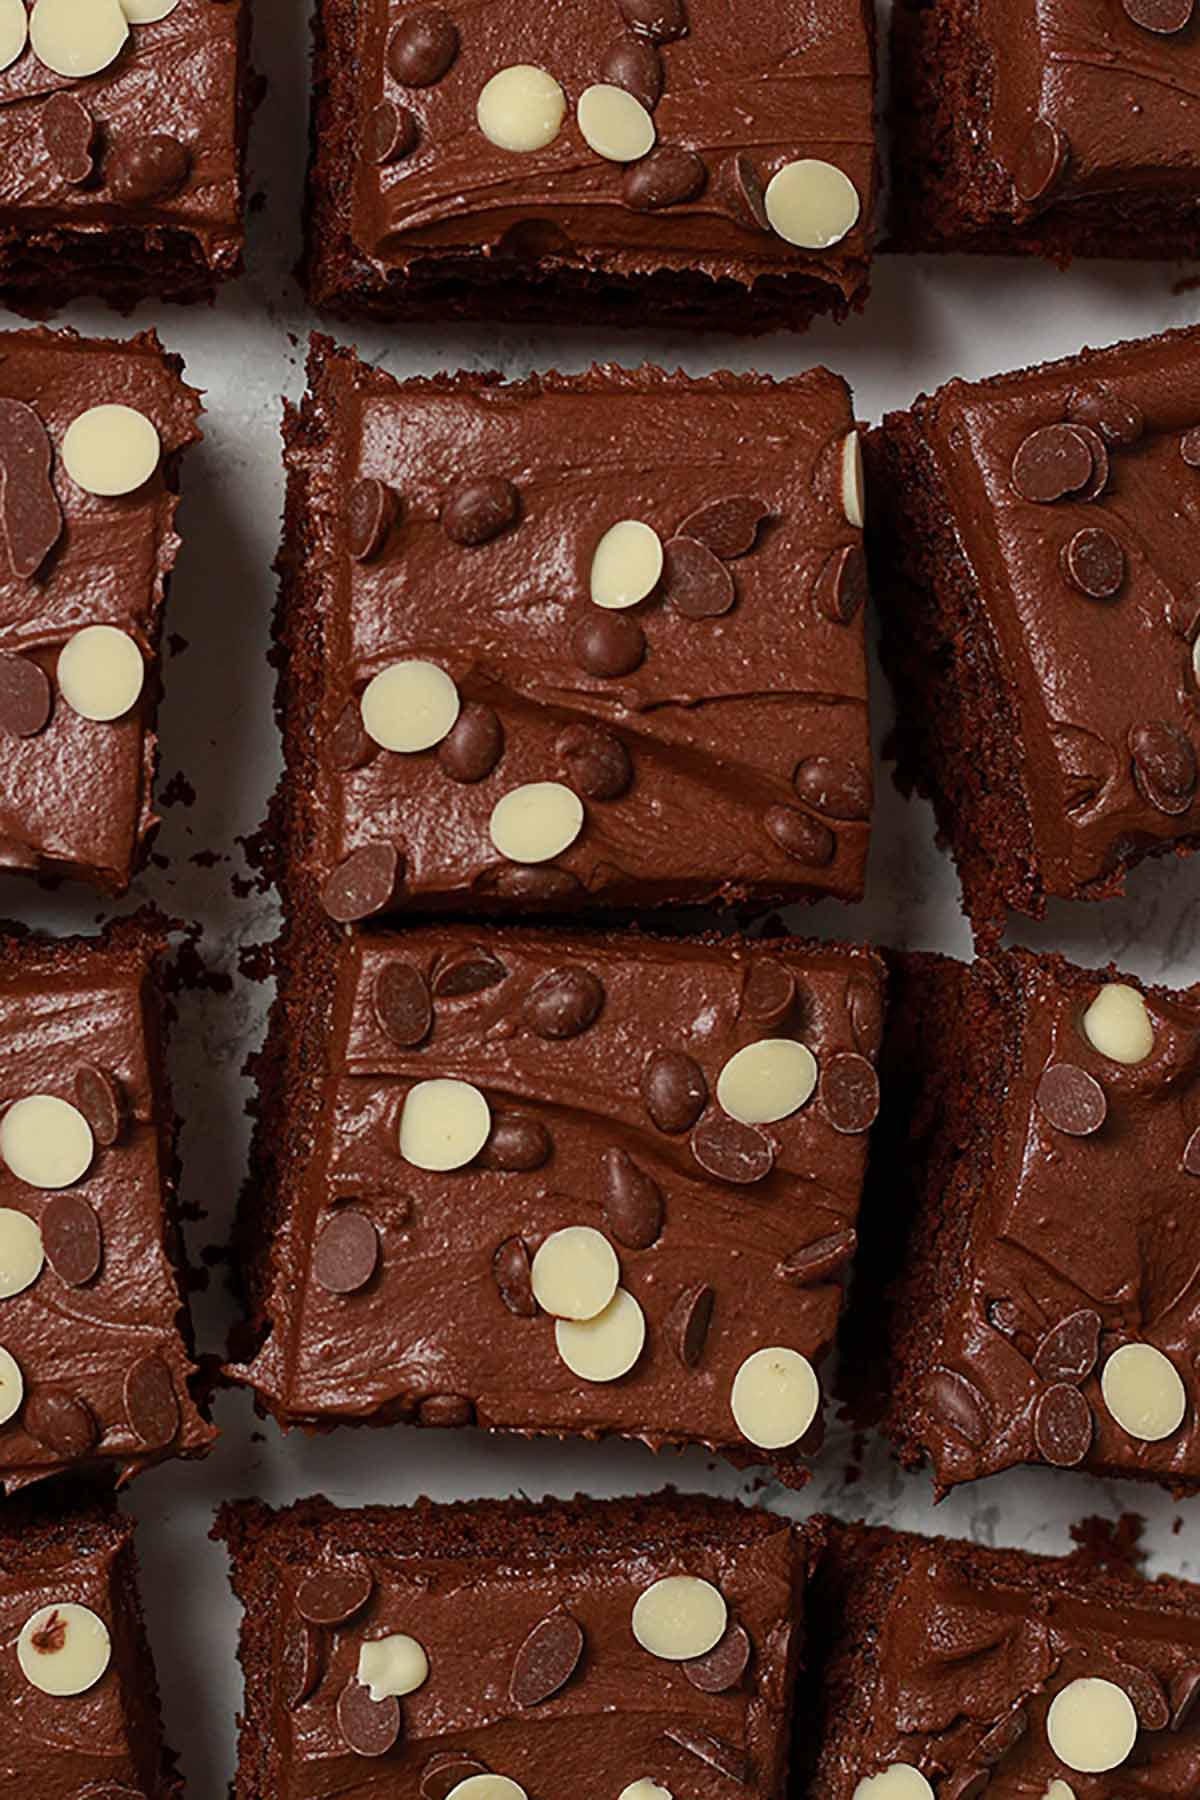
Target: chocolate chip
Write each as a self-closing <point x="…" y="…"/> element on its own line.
<point x="59" y="1422"/>
<point x="770" y="993"/>
<point x="1191" y="1154"/>
<point x="732" y="1151"/>
<point x="540" y="887"/>
<point x="1053" y="461"/>
<point x="363" y="884"/>
<point x="370" y="1727"/>
<point x="423" y="48"/>
<point x="1164" y="765"/>
<point x="474" y="745"/>
<point x="659" y="20"/>
<point x="596" y="762"/>
<point x="26" y="696"/>
<point x="29" y="510"/>
<point x="1069" y="1350"/>
<point x="511" y="1273"/>
<point x="725" y="1758"/>
<point x="850" y="1091"/>
<point x="958" y="1404"/>
<point x="401" y="1002"/>
<point x="608" y="643"/>
<point x="695" y="582"/>
<point x="674" y="1090"/>
<point x="149" y="168"/>
<point x="819" y="1260"/>
<point x="1161" y="16"/>
<point x="100" y="1101"/>
<point x="1095" y="562"/>
<point x="370" y="516"/>
<point x="834" y="786"/>
<point x="546" y="1660"/>
<point x="1146" y="1691"/>
<point x="633" y="63"/>
<point x="728" y="527"/>
<point x="1100" y="462"/>
<point x="1040" y="162"/>
<point x="995" y="1744"/>
<point x="479" y="508"/>
<point x="349" y="745"/>
<point x="446" y="1410"/>
<point x="515" y="1144"/>
<point x="1185" y="1692"/>
<point x="563" y="1003"/>
<point x="463" y="972"/>
<point x="331" y="1595"/>
<point x="1071" y="1099"/>
<point x="965" y="1784"/>
<point x="347" y="1253"/>
<point x="1189" y="447"/>
<point x="724" y="1665"/>
<point x="840" y="590"/>
<point x="687" y="1323"/>
<point x="1062" y="1426"/>
<point x="300" y="1663"/>
<point x="633" y="1203"/>
<point x="1119" y="421"/>
<point x="69" y="136"/>
<point x="151" y="1403"/>
<point x="749" y="197"/>
<point x="390" y="134"/>
<point x="443" y="1773"/>
<point x="864" y="1004"/>
<point x="72" y="1239"/>
<point x="801" y="836"/>
<point x="667" y="177"/>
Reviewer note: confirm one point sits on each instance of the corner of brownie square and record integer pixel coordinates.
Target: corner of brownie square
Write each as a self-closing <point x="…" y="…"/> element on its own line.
<point x="578" y="640"/>
<point x="612" y="1647"/>
<point x="96" y="1373"/>
<point x="668" y="162"/>
<point x="1032" y="546"/>
<point x="559" y="1184"/>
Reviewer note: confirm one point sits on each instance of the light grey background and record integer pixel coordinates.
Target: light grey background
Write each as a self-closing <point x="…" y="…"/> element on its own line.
<point x="927" y="320"/>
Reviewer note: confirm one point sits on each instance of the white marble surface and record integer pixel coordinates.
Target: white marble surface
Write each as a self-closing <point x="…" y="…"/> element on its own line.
<point x="926" y="321"/>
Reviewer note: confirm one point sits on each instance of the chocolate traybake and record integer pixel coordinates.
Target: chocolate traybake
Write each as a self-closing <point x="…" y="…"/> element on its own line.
<point x="1034" y="542"/>
<point x="628" y="162"/>
<point x="576" y="640"/>
<point x="496" y="1649"/>
<point x="557" y="1183"/>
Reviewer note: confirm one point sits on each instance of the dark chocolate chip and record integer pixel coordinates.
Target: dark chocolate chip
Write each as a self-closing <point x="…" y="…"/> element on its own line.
<point x="403" y="1008"/>
<point x="633" y="63"/>
<point x="957" y="1403"/>
<point x="724" y="1665"/>
<point x="667" y="177"/>
<point x="819" y="1260"/>
<point x="1052" y="461"/>
<point x="540" y="887"/>
<point x="687" y="1323"/>
<point x="349" y="745"/>
<point x="423" y="47"/>
<point x="1185" y="1693"/>
<point x="1164" y="765"/>
<point x="511" y="1272"/>
<point x="26" y="696"/>
<point x="370" y="515"/>
<point x="835" y="786"/>
<point x="801" y="836"/>
<point x="1189" y="447"/>
<point x="770" y="992"/>
<point x="59" y="1422"/>
<point x="464" y="972"/>
<point x="659" y="20"/>
<point x="964" y="1784"/>
<point x="749" y="195"/>
<point x="595" y="760"/>
<point x="732" y="1151"/>
<point x="300" y="1663"/>
<point x="479" y="508"/>
<point x="149" y="168"/>
<point x="728" y="527"/>
<point x="850" y="1091"/>
<point x="151" y="1403"/>
<point x="1164" y="17"/>
<point x="363" y="884"/>
<point x="72" y="1239"/>
<point x="443" y="1773"/>
<point x="608" y="643"/>
<point x="1062" y="1426"/>
<point x="474" y="744"/>
<point x="725" y="1758"/>
<point x="1119" y="421"/>
<point x="446" y="1410"/>
<point x="390" y="133"/>
<point x="69" y="136"/>
<point x="1093" y="488"/>
<point x="1004" y="1736"/>
<point x="563" y="1003"/>
<point x="29" y="510"/>
<point x="515" y="1144"/>
<point x="864" y="1003"/>
<point x="1146" y="1691"/>
<point x="840" y="590"/>
<point x="695" y="582"/>
<point x="370" y="1727"/>
<point x="331" y="1595"/>
<point x="1069" y="1350"/>
<point x="1191" y="1154"/>
<point x="1040" y="161"/>
<point x="674" y="1090"/>
<point x="633" y="1202"/>
<point x="546" y="1660"/>
<point x="347" y="1253"/>
<point x="100" y="1101"/>
<point x="1095" y="562"/>
<point x="1071" y="1099"/>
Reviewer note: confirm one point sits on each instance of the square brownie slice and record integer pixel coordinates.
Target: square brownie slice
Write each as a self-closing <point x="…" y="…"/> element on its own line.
<point x="969" y="1671"/>
<point x="621" y="1647"/>
<point x="1033" y="1200"/>
<point x="576" y="640"/>
<point x="1032" y="542"/>
<point x="82" y="1717"/>
<point x="671" y="162"/>
<point x="122" y="139"/>
<point x="92" y="434"/>
<point x="555" y="1183"/>
<point x="96" y="1370"/>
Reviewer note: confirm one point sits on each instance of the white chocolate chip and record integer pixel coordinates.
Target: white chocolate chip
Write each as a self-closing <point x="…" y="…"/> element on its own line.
<point x="614" y="124"/>
<point x="680" y="1617"/>
<point x="444" y="1125"/>
<point x="110" y="450"/>
<point x="521" y="108"/>
<point x="774" y="1398"/>
<point x="645" y="1789"/>
<point x="812" y="204"/>
<point x="536" y="822"/>
<point x="900" y="1782"/>
<point x="1143" y="1392"/>
<point x="14" y="31"/>
<point x="45" y="1141"/>
<point x="410" y="706"/>
<point x="627" y="566"/>
<point x="77" y="37"/>
<point x="1059" y="1790"/>
<point x="575" y="1273"/>
<point x="21" y="1252"/>
<point x="100" y="672"/>
<point x="1117" y="1024"/>
<point x="854" y="501"/>
<point x="487" y="1787"/>
<point x="767" y="1080"/>
<point x="64" y="1649"/>
<point x="395" y="1665"/>
<point x="12" y="1386"/>
<point x="147" y="12"/>
<point x="1196" y="659"/>
<point x="606" y="1347"/>
<point x="1091" y="1725"/>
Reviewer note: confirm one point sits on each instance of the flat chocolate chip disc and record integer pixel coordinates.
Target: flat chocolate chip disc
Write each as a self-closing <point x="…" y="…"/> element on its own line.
<point x="1146" y="1691"/>
<point x="29" y="508"/>
<point x="1004" y="1736"/>
<point x="748" y="193"/>
<point x="801" y="836"/>
<point x="1053" y="461"/>
<point x="59" y="1422"/>
<point x="695" y="582"/>
<point x="957" y="1403"/>
<point x="770" y="993"/>
<point x="474" y="744"/>
<point x="1164" y="765"/>
<point x="1095" y="562"/>
<point x="819" y="1260"/>
<point x="563" y="1003"/>
<point x="464" y="972"/>
<point x="1189" y="447"/>
<point x="687" y="1323"/>
<point x="151" y="1404"/>
<point x="347" y="1253"/>
<point x="1040" y="161"/>
<point x="370" y="516"/>
<point x="841" y="587"/>
<point x="1062" y="1426"/>
<point x="674" y="1090"/>
<point x="1185" y="1695"/>
<point x="635" y="64"/>
<point x="1069" y="1350"/>
<point x="725" y="1758"/>
<point x="1071" y="1099"/>
<point x="546" y="1660"/>
<point x="349" y="745"/>
<point x="363" y="884"/>
<point x="1164" y="17"/>
<point x="443" y="1773"/>
<point x="633" y="1202"/>
<point x="26" y="696"/>
<point x="864" y="1003"/>
<point x="729" y="528"/>
<point x="608" y="644"/>
<point x="300" y="1663"/>
<point x="69" y="134"/>
<point x="595" y="761"/>
<point x="512" y="1272"/>
<point x="724" y="1665"/>
<point x="480" y="508"/>
<point x="370" y="1727"/>
<point x="402" y="1003"/>
<point x="332" y="1595"/>
<point x="99" y="1100"/>
<point x="390" y="134"/>
<point x="72" y="1239"/>
<point x="667" y="177"/>
<point x="1119" y="421"/>
<point x="850" y="1092"/>
<point x="732" y="1151"/>
<point x="1191" y="1153"/>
